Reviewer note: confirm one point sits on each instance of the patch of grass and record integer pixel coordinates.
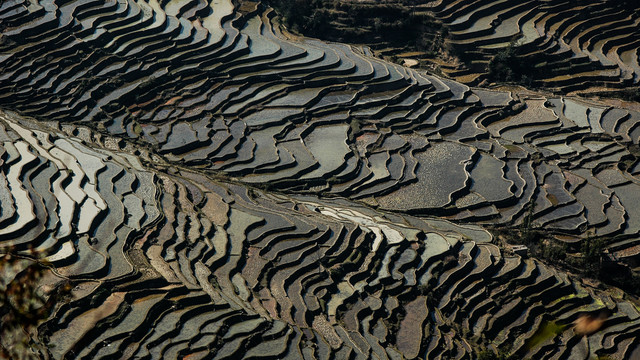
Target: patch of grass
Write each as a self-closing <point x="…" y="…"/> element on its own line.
<point x="546" y="331"/>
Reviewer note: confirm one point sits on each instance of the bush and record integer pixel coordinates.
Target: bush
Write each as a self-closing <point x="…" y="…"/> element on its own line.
<point x="508" y="66"/>
<point x="554" y="252"/>
<point x="487" y="354"/>
<point x="592" y="251"/>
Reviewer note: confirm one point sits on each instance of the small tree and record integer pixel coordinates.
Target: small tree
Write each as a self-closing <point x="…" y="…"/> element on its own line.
<point x="22" y="307"/>
<point x="508" y="66"/>
<point x="592" y="252"/>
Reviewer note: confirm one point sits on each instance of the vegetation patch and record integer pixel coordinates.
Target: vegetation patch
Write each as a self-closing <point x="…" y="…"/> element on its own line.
<point x="23" y="306"/>
<point x="391" y="27"/>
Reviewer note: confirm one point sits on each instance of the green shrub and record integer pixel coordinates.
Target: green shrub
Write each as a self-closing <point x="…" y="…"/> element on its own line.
<point x="487" y="354"/>
<point x="509" y="66"/>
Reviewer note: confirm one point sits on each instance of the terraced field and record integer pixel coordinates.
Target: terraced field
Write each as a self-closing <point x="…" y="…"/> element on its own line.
<point x="215" y="187"/>
<point x="573" y="46"/>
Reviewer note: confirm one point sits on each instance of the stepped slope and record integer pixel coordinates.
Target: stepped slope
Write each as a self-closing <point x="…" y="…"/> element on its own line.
<point x="568" y="46"/>
<point x="215" y="187"/>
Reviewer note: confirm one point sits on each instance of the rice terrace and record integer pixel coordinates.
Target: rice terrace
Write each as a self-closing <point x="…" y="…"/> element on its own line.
<point x="320" y="179"/>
